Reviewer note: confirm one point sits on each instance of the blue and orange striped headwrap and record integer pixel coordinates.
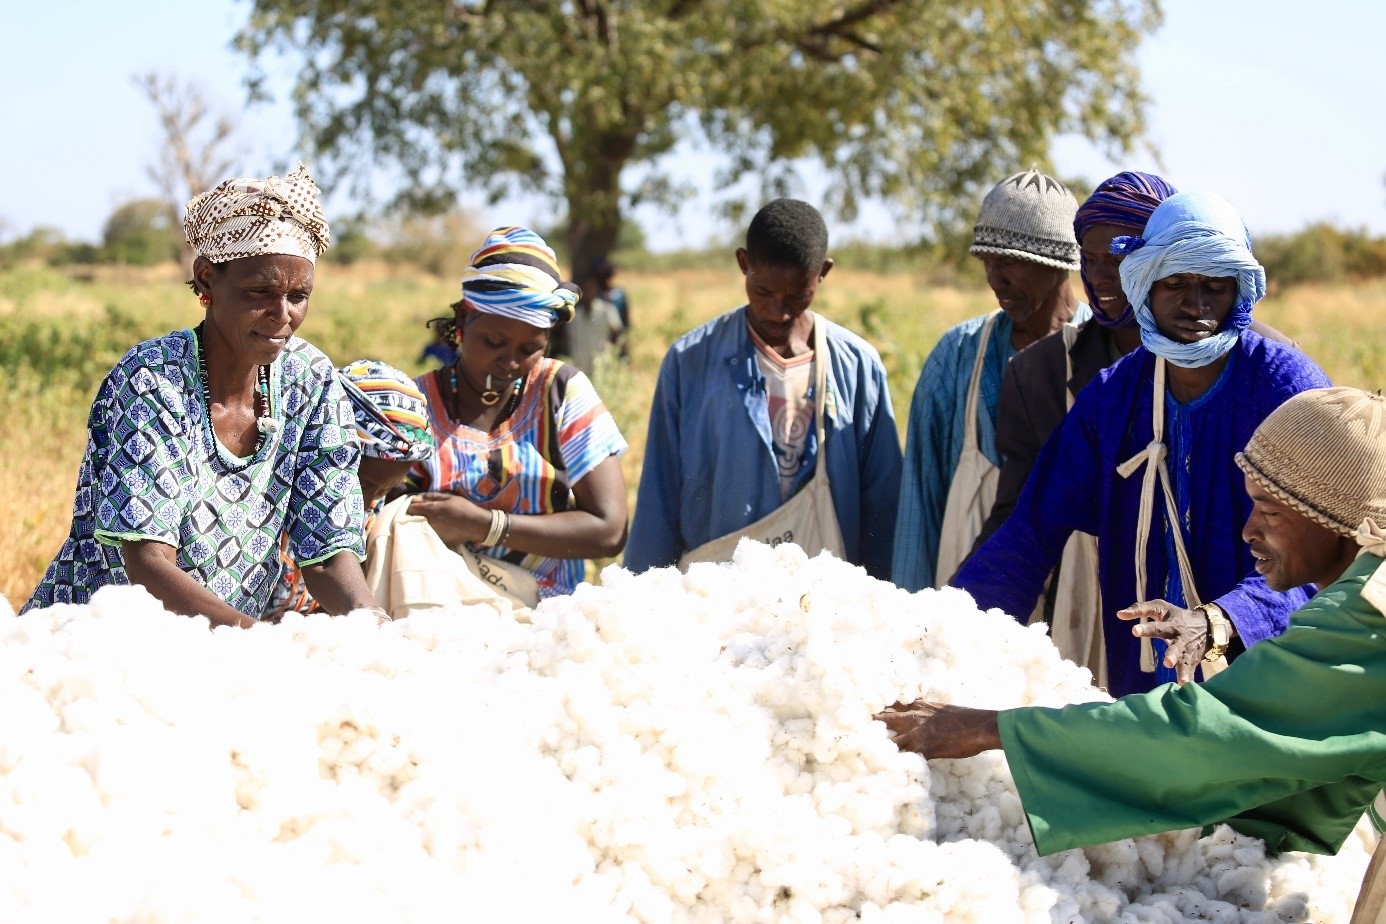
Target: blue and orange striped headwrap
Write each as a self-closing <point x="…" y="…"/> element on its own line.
<point x="1126" y="200"/>
<point x="391" y="413"/>
<point x="515" y="275"/>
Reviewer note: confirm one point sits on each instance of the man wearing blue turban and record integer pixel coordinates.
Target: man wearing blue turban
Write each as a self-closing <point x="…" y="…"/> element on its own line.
<point x="1041" y="383"/>
<point x="1176" y="411"/>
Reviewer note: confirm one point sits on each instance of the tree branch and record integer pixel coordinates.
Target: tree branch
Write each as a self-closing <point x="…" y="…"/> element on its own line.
<point x="845" y="18"/>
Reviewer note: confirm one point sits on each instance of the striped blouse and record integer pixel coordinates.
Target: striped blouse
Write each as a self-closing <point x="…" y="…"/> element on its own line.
<point x="560" y="431"/>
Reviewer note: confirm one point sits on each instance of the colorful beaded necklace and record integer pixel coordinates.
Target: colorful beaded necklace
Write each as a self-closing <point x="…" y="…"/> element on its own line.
<point x="265" y="424"/>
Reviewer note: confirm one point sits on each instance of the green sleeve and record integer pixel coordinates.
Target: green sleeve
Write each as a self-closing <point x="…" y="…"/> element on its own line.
<point x="1288" y="744"/>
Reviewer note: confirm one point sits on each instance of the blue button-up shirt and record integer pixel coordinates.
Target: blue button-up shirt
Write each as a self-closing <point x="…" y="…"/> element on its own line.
<point x="710" y="466"/>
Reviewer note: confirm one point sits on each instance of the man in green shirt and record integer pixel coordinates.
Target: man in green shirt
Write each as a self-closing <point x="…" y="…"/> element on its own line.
<point x="1289" y="743"/>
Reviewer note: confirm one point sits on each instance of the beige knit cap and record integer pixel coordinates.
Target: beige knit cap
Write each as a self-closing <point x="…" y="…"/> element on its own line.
<point x="1323" y="452"/>
<point x="1028" y="216"/>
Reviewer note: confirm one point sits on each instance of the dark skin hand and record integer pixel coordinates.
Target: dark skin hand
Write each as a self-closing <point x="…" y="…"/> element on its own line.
<point x="338" y="584"/>
<point x="595" y="529"/>
<point x="1186" y="631"/>
<point x="936" y="730"/>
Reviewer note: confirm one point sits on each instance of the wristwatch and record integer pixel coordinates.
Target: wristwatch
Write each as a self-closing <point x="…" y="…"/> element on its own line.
<point x="1219" y="630"/>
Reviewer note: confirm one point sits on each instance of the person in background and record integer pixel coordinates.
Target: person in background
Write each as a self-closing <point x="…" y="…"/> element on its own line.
<point x="208" y="448"/>
<point x="526" y="474"/>
<point x="1024" y="238"/>
<point x="595" y="329"/>
<point x="602" y="270"/>
<point x="391" y="418"/>
<point x="1175" y="411"/>
<point x="770" y="421"/>
<point x="438" y="350"/>
<point x="1286" y="744"/>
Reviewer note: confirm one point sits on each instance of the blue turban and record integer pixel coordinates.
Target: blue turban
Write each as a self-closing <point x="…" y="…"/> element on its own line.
<point x="1126" y="200"/>
<point x="1191" y="232"/>
<point x="515" y="274"/>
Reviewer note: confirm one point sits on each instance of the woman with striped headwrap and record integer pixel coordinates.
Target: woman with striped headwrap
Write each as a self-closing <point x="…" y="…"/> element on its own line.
<point x="526" y="470"/>
<point x="209" y="447"/>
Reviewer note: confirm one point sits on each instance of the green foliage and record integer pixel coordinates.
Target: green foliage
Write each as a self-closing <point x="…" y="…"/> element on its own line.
<point x="923" y="102"/>
<point x="140" y="233"/>
<point x="47" y="246"/>
<point x="1321" y="253"/>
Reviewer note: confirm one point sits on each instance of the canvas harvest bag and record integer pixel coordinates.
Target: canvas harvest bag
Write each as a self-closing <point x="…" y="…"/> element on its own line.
<point x="409" y="568"/>
<point x="1076" y="626"/>
<point x="972" y="491"/>
<point x="808" y="519"/>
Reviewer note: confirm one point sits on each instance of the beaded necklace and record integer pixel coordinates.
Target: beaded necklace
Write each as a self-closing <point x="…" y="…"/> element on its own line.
<point x="506" y="411"/>
<point x="265" y="425"/>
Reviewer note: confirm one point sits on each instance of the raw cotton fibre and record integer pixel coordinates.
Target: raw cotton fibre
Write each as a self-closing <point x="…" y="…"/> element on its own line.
<point x="663" y="747"/>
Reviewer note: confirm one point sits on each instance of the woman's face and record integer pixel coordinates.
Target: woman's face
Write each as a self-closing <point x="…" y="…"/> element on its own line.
<point x="1102" y="269"/>
<point x="503" y="348"/>
<point x="1189" y="307"/>
<point x="257" y="303"/>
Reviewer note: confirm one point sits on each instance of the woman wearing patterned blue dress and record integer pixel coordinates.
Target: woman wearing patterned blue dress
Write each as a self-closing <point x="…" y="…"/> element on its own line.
<point x="206" y="446"/>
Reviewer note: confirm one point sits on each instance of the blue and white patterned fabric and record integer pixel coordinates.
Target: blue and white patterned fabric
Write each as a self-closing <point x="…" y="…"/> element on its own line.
<point x="154" y="470"/>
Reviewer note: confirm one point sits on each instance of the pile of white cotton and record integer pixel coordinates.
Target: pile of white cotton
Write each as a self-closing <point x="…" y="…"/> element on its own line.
<point x="661" y="748"/>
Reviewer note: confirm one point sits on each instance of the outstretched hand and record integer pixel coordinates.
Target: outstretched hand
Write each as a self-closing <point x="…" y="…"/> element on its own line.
<point x="1185" y="631"/>
<point x="939" y="730"/>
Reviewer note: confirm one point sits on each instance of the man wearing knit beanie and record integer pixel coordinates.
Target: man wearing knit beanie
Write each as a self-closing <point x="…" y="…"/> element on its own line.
<point x="1024" y="238"/>
<point x="1286" y="744"/>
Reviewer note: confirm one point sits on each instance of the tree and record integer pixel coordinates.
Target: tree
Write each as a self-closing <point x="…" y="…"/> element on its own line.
<point x="140" y="232"/>
<point x="924" y="103"/>
<point x="196" y="151"/>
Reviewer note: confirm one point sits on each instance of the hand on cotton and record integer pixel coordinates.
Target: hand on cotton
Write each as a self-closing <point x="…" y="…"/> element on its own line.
<point x="939" y="730"/>
<point x="1186" y="631"/>
<point x="455" y="519"/>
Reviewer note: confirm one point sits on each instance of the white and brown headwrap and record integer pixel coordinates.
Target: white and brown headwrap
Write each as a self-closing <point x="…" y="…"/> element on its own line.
<point x="246" y="217"/>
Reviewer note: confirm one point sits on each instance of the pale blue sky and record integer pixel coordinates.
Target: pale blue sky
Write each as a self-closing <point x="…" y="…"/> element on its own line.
<point x="1276" y="105"/>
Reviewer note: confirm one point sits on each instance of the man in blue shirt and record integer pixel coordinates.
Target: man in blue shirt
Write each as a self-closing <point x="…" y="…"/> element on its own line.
<point x="1024" y="237"/>
<point x="733" y="426"/>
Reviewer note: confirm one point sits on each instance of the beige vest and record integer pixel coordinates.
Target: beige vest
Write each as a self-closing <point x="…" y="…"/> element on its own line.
<point x="1076" y="628"/>
<point x="972" y="492"/>
<point x="807" y="519"/>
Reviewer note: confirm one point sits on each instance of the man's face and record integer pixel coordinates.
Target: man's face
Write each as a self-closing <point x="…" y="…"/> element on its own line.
<point x="1102" y="269"/>
<point x="1189" y="307"/>
<point x="1021" y="287"/>
<point x="1290" y="549"/>
<point x="777" y="296"/>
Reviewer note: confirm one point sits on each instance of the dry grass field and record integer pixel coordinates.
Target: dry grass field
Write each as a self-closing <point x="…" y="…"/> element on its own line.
<point x="60" y="333"/>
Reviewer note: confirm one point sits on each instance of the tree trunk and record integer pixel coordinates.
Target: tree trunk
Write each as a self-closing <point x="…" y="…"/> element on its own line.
<point x="593" y="191"/>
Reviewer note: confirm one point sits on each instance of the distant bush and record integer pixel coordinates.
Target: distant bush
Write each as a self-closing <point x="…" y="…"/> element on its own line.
<point x="139" y="233"/>
<point x="1321" y="253"/>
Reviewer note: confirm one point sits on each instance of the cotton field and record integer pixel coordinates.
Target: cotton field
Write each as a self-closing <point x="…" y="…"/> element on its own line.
<point x="661" y="748"/>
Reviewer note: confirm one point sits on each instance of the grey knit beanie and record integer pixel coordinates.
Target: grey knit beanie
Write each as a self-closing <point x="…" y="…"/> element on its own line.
<point x="1028" y="216"/>
<point x="1323" y="452"/>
